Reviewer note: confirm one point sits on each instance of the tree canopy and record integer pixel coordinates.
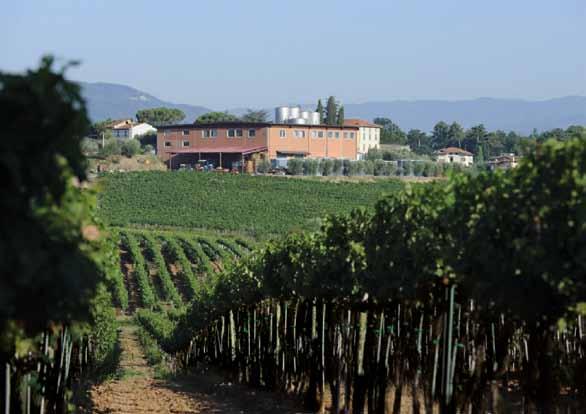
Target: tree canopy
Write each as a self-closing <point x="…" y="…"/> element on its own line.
<point x="212" y="117"/>
<point x="390" y="132"/>
<point x="255" y="115"/>
<point x="160" y="116"/>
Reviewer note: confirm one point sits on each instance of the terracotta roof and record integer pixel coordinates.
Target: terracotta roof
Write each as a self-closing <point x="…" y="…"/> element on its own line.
<point x="360" y="123"/>
<point x="453" y="150"/>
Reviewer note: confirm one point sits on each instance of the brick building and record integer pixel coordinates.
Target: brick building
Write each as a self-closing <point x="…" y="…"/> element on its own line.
<point x="224" y="143"/>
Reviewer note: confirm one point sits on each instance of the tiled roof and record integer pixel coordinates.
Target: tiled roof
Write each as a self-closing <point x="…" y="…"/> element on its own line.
<point x="360" y="123"/>
<point x="454" y="151"/>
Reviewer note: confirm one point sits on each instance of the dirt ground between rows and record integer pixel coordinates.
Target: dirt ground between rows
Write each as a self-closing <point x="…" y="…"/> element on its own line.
<point x="136" y="390"/>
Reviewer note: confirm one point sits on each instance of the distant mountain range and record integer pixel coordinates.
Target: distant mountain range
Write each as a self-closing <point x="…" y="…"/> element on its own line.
<point x="110" y="100"/>
<point x="107" y="100"/>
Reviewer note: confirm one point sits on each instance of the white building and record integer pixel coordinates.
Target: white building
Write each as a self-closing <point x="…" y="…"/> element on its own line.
<point x="368" y="136"/>
<point x="454" y="155"/>
<point x="504" y="162"/>
<point x="127" y="128"/>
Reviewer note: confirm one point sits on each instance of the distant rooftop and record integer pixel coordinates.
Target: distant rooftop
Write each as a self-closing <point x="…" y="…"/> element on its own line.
<point x="360" y="123"/>
<point x="453" y="151"/>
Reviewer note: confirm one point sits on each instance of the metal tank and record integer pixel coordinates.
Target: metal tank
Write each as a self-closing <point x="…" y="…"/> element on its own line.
<point x="298" y="121"/>
<point x="282" y="114"/>
<point x="306" y="115"/>
<point x="314" y="119"/>
<point x="295" y="112"/>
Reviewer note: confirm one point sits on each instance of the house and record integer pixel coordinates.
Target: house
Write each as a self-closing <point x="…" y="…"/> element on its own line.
<point x="127" y="128"/>
<point x="368" y="135"/>
<point x="454" y="155"/>
<point x="226" y="143"/>
<point x="504" y="161"/>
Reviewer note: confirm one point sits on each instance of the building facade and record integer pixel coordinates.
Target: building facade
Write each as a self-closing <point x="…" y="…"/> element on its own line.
<point x="504" y="162"/>
<point x="368" y="135"/>
<point x="227" y="142"/>
<point x="127" y="128"/>
<point x="454" y="155"/>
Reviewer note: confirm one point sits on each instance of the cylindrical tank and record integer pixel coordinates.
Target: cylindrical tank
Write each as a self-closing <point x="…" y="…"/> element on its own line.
<point x="294" y="112"/>
<point x="298" y="121"/>
<point x="306" y="115"/>
<point x="315" y="118"/>
<point x="282" y="114"/>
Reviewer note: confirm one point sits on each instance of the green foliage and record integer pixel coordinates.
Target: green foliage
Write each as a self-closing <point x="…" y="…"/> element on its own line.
<point x="49" y="266"/>
<point x="255" y="116"/>
<point x="331" y="111"/>
<point x="212" y="117"/>
<point x="390" y="132"/>
<point x="340" y="117"/>
<point x="153" y="248"/>
<point x="310" y="166"/>
<point x="112" y="146"/>
<point x="89" y="146"/>
<point x="263" y="166"/>
<point x="130" y="243"/>
<point x="327" y="166"/>
<point x="320" y="110"/>
<point x="127" y="199"/>
<point x="130" y="148"/>
<point x="295" y="166"/>
<point x="160" y="116"/>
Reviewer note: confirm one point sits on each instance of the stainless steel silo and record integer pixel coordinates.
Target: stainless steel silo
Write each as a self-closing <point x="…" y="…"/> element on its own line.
<point x="307" y="116"/>
<point x="294" y="112"/>
<point x="315" y="118"/>
<point x="298" y="121"/>
<point x="282" y="114"/>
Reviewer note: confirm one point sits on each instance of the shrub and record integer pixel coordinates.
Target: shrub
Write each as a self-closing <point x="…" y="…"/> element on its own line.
<point x="130" y="148"/>
<point x="295" y="166"/>
<point x="368" y="167"/>
<point x="89" y="146"/>
<point x="346" y="167"/>
<point x="418" y="168"/>
<point x="337" y="167"/>
<point x="111" y="147"/>
<point x="263" y="166"/>
<point x="327" y="166"/>
<point x="310" y="167"/>
<point x="379" y="166"/>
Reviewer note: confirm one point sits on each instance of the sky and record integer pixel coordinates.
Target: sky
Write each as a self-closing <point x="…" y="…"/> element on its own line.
<point x="257" y="53"/>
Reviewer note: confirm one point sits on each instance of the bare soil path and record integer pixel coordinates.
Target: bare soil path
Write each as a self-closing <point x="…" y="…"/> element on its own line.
<point x="136" y="390"/>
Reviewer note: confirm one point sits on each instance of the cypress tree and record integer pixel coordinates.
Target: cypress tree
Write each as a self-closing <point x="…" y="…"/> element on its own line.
<point x="340" y="119"/>
<point x="320" y="110"/>
<point x="331" y="111"/>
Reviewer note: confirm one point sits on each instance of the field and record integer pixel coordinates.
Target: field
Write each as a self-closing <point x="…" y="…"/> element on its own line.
<point x="256" y="206"/>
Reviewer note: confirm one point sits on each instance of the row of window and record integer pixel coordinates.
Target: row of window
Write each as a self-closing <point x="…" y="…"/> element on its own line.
<point x="316" y="134"/>
<point x="213" y="133"/>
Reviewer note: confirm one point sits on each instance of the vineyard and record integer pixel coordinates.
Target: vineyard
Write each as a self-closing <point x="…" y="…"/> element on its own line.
<point x="463" y="298"/>
<point x="257" y="206"/>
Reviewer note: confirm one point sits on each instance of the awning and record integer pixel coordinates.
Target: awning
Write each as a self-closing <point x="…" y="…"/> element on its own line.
<point x="217" y="150"/>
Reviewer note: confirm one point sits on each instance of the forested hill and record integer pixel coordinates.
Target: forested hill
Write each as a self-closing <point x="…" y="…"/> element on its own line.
<point x="109" y="100"/>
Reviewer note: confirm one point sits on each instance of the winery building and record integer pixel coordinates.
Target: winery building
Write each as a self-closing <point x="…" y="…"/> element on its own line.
<point x="225" y="143"/>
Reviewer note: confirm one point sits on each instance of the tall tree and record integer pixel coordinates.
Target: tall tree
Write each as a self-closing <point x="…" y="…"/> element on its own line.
<point x="440" y="135"/>
<point x="255" y="116"/>
<point x="474" y="137"/>
<point x="391" y="133"/>
<point x="160" y="116"/>
<point x="320" y="110"/>
<point x="340" y="119"/>
<point x="456" y="135"/>
<point x="419" y="141"/>
<point x="212" y="117"/>
<point x="331" y="111"/>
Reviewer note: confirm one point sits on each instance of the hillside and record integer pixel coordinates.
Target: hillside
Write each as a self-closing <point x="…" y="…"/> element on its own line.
<point x="256" y="206"/>
<point x="109" y="100"/>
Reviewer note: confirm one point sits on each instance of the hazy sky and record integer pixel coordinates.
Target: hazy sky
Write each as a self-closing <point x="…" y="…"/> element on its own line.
<point x="224" y="53"/>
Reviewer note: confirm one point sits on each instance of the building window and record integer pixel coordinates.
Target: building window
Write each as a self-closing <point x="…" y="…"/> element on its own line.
<point x="238" y="132"/>
<point x="299" y="133"/>
<point x="346" y="135"/>
<point x="168" y="144"/>
<point x="251" y="133"/>
<point x="186" y="132"/>
<point x="313" y="134"/>
<point x="282" y="133"/>
<point x="330" y="134"/>
<point x="205" y="133"/>
<point x="320" y="134"/>
<point x="351" y="135"/>
<point x="337" y="134"/>
<point x="186" y="143"/>
<point x="213" y="133"/>
<point x="231" y="133"/>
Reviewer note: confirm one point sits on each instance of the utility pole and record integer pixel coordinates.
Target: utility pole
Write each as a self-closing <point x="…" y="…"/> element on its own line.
<point x="102" y="140"/>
